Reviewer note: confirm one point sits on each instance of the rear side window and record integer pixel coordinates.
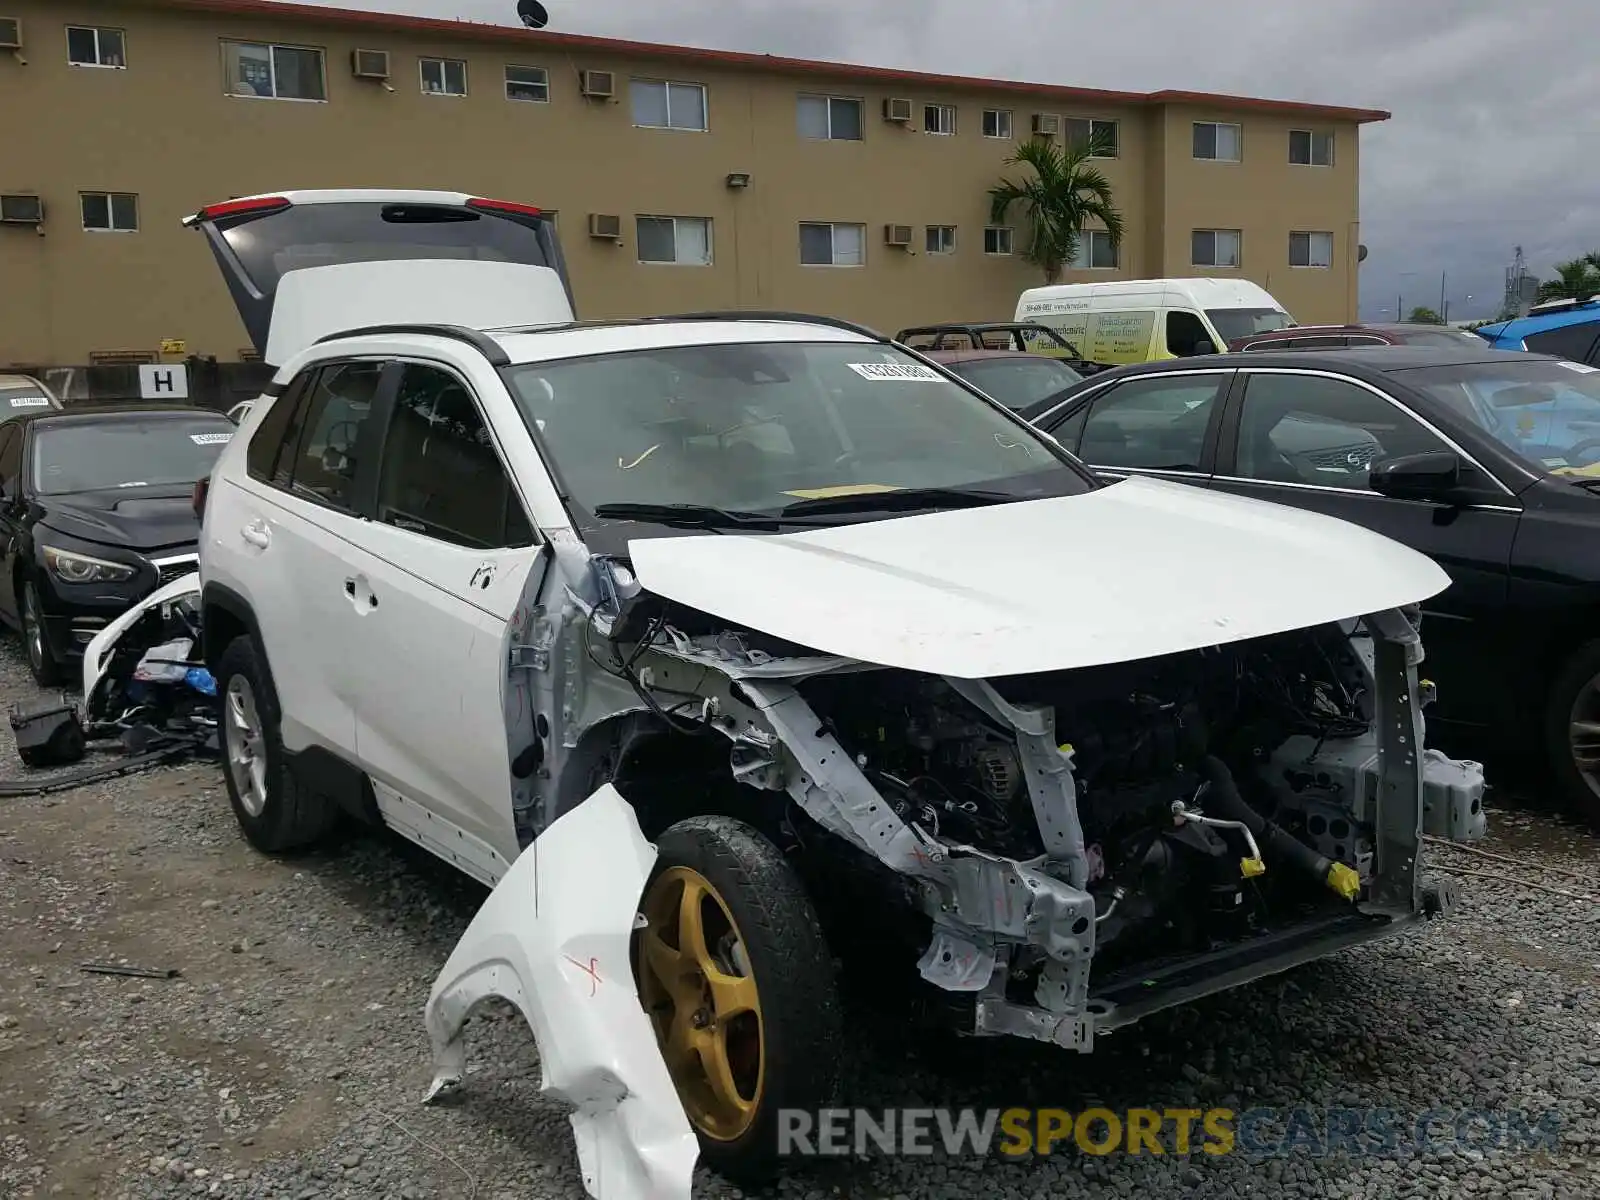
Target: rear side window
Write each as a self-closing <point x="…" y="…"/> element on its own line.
<point x="1155" y="424"/>
<point x="266" y="444"/>
<point x="440" y="475"/>
<point x="315" y="455"/>
<point x="1569" y="341"/>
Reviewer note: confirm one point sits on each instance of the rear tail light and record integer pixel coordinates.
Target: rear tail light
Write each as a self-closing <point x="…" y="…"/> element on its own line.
<point x="234" y="208"/>
<point x="505" y="206"/>
<point x="202" y="488"/>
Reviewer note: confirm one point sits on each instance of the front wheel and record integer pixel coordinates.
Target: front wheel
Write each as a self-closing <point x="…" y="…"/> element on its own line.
<point x="1572" y="732"/>
<point x="42" y="660"/>
<point x="736" y="977"/>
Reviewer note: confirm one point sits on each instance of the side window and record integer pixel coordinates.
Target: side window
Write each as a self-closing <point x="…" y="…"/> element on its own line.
<point x="1570" y="341"/>
<point x="1157" y="424"/>
<point x="1358" y="339"/>
<point x="10" y="462"/>
<point x="1315" y="430"/>
<point x="440" y="475"/>
<point x="1068" y="429"/>
<point x="270" y="437"/>
<point x="323" y="466"/>
<point x="1183" y="331"/>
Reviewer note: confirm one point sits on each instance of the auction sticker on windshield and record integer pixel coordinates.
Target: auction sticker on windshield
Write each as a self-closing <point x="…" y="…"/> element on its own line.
<point x="29" y="402"/>
<point x="209" y="439"/>
<point x="904" y="372"/>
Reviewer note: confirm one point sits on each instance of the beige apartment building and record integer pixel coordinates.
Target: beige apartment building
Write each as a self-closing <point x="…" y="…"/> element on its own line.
<point x="682" y="178"/>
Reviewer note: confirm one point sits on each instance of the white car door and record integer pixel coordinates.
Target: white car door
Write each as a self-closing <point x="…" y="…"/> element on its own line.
<point x="433" y="584"/>
<point x="282" y="528"/>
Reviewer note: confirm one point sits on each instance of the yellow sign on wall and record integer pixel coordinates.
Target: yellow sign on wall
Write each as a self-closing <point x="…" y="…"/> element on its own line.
<point x="173" y="345"/>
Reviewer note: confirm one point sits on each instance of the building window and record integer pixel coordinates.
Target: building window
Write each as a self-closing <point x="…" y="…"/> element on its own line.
<point x="939" y="118"/>
<point x="659" y="104"/>
<point x="528" y="83"/>
<point x="1308" y="148"/>
<point x="1102" y="135"/>
<point x="685" y="241"/>
<point x="444" y="77"/>
<point x="1311" y="249"/>
<point x="832" y="245"/>
<point x="997" y="239"/>
<point x="941" y="239"/>
<point x="997" y="122"/>
<point x="110" y="212"/>
<point x="91" y="46"/>
<point x="1220" y="143"/>
<point x="274" y="72"/>
<point x="1214" y="248"/>
<point x="829" y="118"/>
<point x="1096" y="251"/>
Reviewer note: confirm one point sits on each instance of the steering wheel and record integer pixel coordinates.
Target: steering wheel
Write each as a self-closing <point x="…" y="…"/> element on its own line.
<point x="1585" y="454"/>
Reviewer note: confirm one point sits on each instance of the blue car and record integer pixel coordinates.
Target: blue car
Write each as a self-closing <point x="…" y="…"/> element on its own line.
<point x="1567" y="328"/>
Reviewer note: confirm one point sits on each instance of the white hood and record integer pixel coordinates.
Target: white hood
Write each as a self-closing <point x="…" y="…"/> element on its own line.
<point x="1137" y="569"/>
<point x="315" y="301"/>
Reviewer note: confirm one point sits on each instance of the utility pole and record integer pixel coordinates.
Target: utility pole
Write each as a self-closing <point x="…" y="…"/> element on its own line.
<point x="1444" y="301"/>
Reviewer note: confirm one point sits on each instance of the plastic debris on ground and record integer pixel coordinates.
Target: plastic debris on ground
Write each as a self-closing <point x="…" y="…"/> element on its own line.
<point x="154" y="703"/>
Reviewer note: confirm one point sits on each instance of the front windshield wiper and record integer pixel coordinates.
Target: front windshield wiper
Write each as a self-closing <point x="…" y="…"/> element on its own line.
<point x="898" y="501"/>
<point x="691" y="516"/>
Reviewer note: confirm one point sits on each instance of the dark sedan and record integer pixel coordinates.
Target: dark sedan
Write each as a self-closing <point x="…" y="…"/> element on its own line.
<point x="1487" y="462"/>
<point x="1339" y="337"/>
<point x="96" y="512"/>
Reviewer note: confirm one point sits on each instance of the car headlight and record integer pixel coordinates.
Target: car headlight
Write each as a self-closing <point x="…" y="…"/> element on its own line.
<point x="70" y="567"/>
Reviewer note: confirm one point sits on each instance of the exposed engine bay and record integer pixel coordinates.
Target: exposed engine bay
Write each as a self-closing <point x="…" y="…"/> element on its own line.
<point x="1182" y="792"/>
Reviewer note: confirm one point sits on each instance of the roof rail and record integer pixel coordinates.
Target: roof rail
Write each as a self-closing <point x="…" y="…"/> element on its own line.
<point x="755" y="314"/>
<point x="485" y="345"/>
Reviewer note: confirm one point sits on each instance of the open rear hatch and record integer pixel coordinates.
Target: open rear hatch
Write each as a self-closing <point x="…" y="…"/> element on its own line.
<point x="303" y="265"/>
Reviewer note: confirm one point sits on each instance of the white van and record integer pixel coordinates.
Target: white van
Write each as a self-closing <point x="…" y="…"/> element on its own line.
<point x="1140" y="320"/>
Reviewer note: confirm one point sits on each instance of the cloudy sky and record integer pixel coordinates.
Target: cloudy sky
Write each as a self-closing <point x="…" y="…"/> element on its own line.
<point x="1495" y="140"/>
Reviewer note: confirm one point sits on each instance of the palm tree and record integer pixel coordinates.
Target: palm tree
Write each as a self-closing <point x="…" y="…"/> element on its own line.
<point x="1065" y="192"/>
<point x="1575" y="280"/>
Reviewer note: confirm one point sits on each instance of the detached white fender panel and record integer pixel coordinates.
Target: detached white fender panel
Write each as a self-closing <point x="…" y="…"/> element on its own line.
<point x="553" y="939"/>
<point x="100" y="646"/>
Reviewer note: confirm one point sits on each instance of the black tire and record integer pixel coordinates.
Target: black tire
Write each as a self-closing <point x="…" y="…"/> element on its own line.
<point x="789" y="960"/>
<point x="42" y="661"/>
<point x="291" y="817"/>
<point x="1577" y="795"/>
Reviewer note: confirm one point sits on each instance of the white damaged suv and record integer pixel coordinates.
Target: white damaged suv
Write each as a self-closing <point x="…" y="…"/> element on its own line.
<point x="727" y="647"/>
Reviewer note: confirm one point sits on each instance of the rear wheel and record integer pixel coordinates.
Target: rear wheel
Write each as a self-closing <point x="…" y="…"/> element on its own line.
<point x="1572" y="732"/>
<point x="275" y="811"/>
<point x="736" y="977"/>
<point x="42" y="660"/>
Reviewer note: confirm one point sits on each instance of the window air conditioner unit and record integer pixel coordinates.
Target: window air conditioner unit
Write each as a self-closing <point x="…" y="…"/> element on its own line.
<point x="605" y="225"/>
<point x="369" y="64"/>
<point x="1047" y="124"/>
<point x="897" y="235"/>
<point x="21" y="210"/>
<point x="599" y="84"/>
<point x="897" y="109"/>
<point x="10" y="33"/>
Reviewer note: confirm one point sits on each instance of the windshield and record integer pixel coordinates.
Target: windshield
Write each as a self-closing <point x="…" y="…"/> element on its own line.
<point x="1545" y="410"/>
<point x="1244" y="322"/>
<point x="127" y="452"/>
<point x="757" y="427"/>
<point x="1017" y="382"/>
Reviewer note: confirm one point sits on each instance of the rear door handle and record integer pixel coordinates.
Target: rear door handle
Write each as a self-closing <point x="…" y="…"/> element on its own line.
<point x="257" y="534"/>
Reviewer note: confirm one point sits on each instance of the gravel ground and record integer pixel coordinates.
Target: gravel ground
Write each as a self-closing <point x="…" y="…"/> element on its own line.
<point x="288" y="1058"/>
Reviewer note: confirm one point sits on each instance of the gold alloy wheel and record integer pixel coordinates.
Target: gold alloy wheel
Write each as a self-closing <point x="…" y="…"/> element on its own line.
<point x="696" y="984"/>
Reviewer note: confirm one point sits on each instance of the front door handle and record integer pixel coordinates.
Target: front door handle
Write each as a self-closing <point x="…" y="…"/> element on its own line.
<point x="366" y="597"/>
<point x="257" y="534"/>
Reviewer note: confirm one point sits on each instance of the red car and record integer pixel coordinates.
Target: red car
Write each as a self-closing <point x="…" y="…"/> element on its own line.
<point x="1337" y="337"/>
